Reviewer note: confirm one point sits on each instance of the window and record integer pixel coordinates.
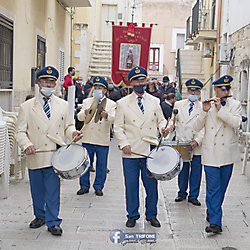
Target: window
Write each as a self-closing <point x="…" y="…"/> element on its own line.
<point x="41" y="50"/>
<point x="6" y="53"/>
<point x="154" y="58"/>
<point x="180" y="41"/>
<point x="61" y="65"/>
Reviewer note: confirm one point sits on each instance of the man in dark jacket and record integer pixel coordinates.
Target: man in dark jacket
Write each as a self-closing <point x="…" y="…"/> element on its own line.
<point x="88" y="87"/>
<point x="166" y="88"/>
<point x="112" y="93"/>
<point x="167" y="105"/>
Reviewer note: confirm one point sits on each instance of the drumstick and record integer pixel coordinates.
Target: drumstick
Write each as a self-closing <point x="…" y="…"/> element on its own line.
<point x="162" y="136"/>
<point x="146" y="156"/>
<point x="76" y="136"/>
<point x="46" y="151"/>
<point x="212" y="99"/>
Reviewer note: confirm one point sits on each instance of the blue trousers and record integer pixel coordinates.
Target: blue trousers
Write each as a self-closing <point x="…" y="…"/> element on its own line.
<point x="217" y="182"/>
<point x="131" y="170"/>
<point x="101" y="166"/>
<point x="45" y="192"/>
<point x="194" y="178"/>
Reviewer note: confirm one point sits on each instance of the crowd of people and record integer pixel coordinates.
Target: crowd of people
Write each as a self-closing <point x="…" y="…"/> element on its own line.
<point x="137" y="116"/>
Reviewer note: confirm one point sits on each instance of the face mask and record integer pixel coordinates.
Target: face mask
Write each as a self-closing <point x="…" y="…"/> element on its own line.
<point x="73" y="73"/>
<point x="80" y="82"/>
<point x="111" y="86"/>
<point x="47" y="91"/>
<point x="139" y="88"/>
<point x="166" y="84"/>
<point x="97" y="93"/>
<point x="192" y="98"/>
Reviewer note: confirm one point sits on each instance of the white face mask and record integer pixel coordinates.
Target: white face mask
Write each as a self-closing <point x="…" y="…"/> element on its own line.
<point x="192" y="98"/>
<point x="97" y="93"/>
<point x="47" y="91"/>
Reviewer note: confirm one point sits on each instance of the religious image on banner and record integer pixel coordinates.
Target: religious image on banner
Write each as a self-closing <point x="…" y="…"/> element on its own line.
<point x="130" y="48"/>
<point x="129" y="56"/>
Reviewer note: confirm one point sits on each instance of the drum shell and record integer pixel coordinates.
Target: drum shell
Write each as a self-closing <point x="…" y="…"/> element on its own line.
<point x="75" y="172"/>
<point x="184" y="148"/>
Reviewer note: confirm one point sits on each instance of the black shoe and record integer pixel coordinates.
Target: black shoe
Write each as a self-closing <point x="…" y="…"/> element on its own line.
<point x="195" y="202"/>
<point x="36" y="223"/>
<point x="98" y="192"/>
<point x="213" y="228"/>
<point x="154" y="222"/>
<point x="91" y="169"/>
<point x="180" y="198"/>
<point x="108" y="170"/>
<point x="55" y="230"/>
<point x="130" y="222"/>
<point x="207" y="219"/>
<point x="82" y="191"/>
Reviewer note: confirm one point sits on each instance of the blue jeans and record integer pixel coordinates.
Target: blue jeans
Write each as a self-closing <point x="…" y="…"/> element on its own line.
<point x="101" y="166"/>
<point x="194" y="178"/>
<point x="45" y="192"/>
<point x="131" y="170"/>
<point x="217" y="182"/>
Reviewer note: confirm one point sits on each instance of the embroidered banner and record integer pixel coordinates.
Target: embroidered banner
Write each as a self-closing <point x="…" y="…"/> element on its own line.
<point x="130" y="48"/>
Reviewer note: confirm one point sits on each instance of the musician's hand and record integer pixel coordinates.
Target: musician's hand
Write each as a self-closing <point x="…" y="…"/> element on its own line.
<point x="165" y="131"/>
<point x="206" y="105"/>
<point x="217" y="103"/>
<point x="172" y="128"/>
<point x="86" y="111"/>
<point x="104" y="114"/>
<point x="79" y="135"/>
<point x="30" y="150"/>
<point x="127" y="150"/>
<point x="194" y="144"/>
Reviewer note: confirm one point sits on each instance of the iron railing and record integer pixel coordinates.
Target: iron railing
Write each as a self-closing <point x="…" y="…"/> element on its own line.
<point x="178" y="69"/>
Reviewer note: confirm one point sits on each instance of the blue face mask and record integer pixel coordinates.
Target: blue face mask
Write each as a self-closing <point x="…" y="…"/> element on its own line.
<point x="139" y="88"/>
<point x="97" y="93"/>
<point x="192" y="98"/>
<point x="47" y="91"/>
<point x="111" y="86"/>
<point x="165" y="84"/>
<point x="80" y="82"/>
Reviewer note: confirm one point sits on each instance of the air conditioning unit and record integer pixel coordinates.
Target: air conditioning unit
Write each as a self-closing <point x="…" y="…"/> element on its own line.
<point x="207" y="50"/>
<point x="224" y="53"/>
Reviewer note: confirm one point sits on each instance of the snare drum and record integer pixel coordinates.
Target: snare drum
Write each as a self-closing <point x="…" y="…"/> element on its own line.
<point x="167" y="163"/>
<point x="71" y="162"/>
<point x="184" y="148"/>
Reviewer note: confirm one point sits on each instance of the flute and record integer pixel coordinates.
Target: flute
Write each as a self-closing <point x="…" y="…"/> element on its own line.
<point x="210" y="100"/>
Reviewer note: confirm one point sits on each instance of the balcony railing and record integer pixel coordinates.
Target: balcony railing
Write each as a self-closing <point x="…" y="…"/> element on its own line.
<point x="201" y="19"/>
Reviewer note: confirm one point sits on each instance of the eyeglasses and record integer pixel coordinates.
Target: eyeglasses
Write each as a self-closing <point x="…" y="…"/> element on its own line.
<point x="47" y="81"/>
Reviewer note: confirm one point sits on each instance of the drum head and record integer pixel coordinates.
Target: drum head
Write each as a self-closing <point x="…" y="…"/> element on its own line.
<point x="67" y="159"/>
<point x="165" y="159"/>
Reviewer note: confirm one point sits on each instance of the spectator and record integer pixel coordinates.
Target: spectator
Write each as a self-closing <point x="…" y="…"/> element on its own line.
<point x="167" y="105"/>
<point x="88" y="87"/>
<point x="68" y="81"/>
<point x="166" y="87"/>
<point x="152" y="90"/>
<point x="177" y="92"/>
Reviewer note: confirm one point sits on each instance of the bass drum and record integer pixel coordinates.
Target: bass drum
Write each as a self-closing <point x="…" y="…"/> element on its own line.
<point x="166" y="163"/>
<point x="71" y="162"/>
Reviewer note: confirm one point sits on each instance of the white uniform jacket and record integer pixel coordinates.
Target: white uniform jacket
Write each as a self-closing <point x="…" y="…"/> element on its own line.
<point x="184" y="124"/>
<point x="220" y="144"/>
<point x="136" y="129"/>
<point x="97" y="133"/>
<point x="34" y="128"/>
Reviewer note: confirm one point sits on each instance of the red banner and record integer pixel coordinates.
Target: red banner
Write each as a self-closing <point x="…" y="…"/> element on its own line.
<point x="130" y="48"/>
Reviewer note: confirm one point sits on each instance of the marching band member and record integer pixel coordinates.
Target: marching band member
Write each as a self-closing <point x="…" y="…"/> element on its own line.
<point x="96" y="136"/>
<point x="220" y="147"/>
<point x="187" y="111"/>
<point x="137" y="117"/>
<point x="43" y="122"/>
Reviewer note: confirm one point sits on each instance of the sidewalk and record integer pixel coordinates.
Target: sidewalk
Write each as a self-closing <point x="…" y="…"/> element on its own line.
<point x="88" y="220"/>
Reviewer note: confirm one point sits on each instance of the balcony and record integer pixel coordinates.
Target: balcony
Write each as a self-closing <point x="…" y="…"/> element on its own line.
<point x="200" y="27"/>
<point x="76" y="3"/>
